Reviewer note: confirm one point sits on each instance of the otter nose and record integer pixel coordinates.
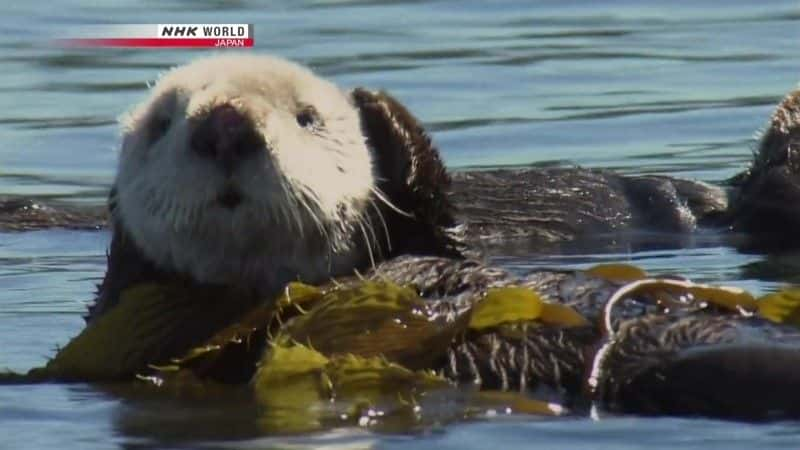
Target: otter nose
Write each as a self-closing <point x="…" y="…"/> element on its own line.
<point x="225" y="136"/>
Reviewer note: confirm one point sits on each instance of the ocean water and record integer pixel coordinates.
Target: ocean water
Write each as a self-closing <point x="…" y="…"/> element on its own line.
<point x="678" y="88"/>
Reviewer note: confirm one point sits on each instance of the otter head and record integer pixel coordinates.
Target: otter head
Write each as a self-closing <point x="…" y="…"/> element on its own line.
<point x="767" y="198"/>
<point x="252" y="170"/>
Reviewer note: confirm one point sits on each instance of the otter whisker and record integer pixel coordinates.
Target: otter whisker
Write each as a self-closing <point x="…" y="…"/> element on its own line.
<point x="281" y="214"/>
<point x="277" y="213"/>
<point x="305" y="201"/>
<point x="383" y="222"/>
<point x="292" y="199"/>
<point x="366" y="241"/>
<point x="367" y="221"/>
<point x="313" y="216"/>
<point x="293" y="213"/>
<point x="386" y="201"/>
<point x="306" y="198"/>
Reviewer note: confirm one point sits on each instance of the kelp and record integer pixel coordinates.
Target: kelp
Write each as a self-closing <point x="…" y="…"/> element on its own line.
<point x="508" y="305"/>
<point x="296" y="386"/>
<point x="782" y="306"/>
<point x="337" y="354"/>
<point x="151" y="323"/>
<point x="230" y="354"/>
<point x="219" y="339"/>
<point x="377" y="319"/>
<point x="367" y="319"/>
<point x="683" y="297"/>
<point x="617" y="272"/>
<point x="360" y="353"/>
<point x="672" y="294"/>
<point x="516" y="403"/>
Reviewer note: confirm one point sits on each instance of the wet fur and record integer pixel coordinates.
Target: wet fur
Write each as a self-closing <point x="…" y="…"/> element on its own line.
<point x="766" y="201"/>
<point x="543" y="210"/>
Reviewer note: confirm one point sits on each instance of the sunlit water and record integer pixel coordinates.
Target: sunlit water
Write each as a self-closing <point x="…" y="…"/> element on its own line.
<point x="678" y="89"/>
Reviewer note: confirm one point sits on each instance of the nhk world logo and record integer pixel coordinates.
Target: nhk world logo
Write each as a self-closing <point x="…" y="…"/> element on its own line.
<point x="172" y="35"/>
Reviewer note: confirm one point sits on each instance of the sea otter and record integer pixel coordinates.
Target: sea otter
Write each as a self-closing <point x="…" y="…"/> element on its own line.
<point x="545" y="209"/>
<point x="252" y="171"/>
<point x="549" y="208"/>
<point x="765" y="196"/>
<point x="247" y="172"/>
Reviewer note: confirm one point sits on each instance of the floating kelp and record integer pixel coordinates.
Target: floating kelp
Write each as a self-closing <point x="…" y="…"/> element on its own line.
<point x="377" y="319"/>
<point x="151" y="323"/>
<point x="617" y="272"/>
<point x="363" y="345"/>
<point x="231" y="353"/>
<point x="302" y="390"/>
<point x="670" y="294"/>
<point x="366" y="319"/>
<point x="296" y="386"/>
<point x="678" y="301"/>
<point x="515" y="402"/>
<point x="673" y="296"/>
<point x="781" y="307"/>
<point x="370" y="352"/>
<point x="509" y="305"/>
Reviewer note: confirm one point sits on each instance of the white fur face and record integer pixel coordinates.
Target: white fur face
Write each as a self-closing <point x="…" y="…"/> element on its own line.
<point x="305" y="190"/>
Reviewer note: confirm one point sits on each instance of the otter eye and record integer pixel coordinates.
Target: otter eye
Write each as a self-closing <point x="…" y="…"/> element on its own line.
<point x="159" y="127"/>
<point x="307" y="117"/>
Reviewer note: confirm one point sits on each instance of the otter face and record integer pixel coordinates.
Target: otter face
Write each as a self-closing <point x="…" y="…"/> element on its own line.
<point x="768" y="194"/>
<point x="241" y="169"/>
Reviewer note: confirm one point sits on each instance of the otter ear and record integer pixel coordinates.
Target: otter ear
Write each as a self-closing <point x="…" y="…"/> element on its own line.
<point x="408" y="167"/>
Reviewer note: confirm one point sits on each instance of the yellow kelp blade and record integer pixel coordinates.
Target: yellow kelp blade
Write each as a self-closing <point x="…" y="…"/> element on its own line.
<point x="299" y="295"/>
<point x="152" y="323"/>
<point x="732" y="298"/>
<point x="368" y="379"/>
<point x="617" y="272"/>
<point x="782" y="306"/>
<point x="302" y="390"/>
<point x="231" y="354"/>
<point x="518" y="304"/>
<point x="291" y="385"/>
<point x="377" y="319"/>
<point x="511" y="402"/>
<point x="673" y="292"/>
